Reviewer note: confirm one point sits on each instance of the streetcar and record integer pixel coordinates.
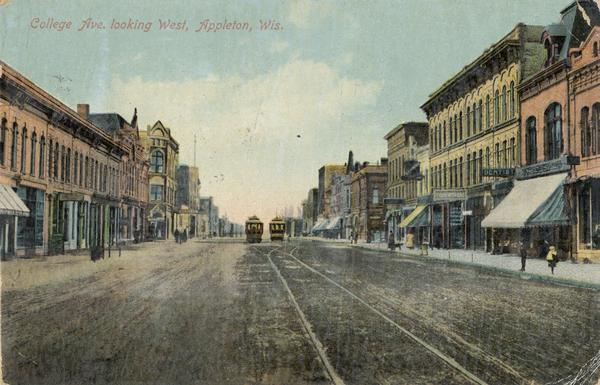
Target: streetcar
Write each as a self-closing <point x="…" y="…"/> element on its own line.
<point x="277" y="229"/>
<point x="254" y="230"/>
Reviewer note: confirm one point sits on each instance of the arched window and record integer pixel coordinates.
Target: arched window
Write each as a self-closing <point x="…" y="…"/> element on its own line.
<point x="468" y="169"/>
<point x="480" y="116"/>
<point x="13" y="147"/>
<point x="480" y="167"/>
<point x="42" y="165"/>
<point x="504" y="105"/>
<point x="62" y="163"/>
<point x="457" y="132"/>
<point x="553" y="143"/>
<point x="50" y="158"/>
<point x="3" y="129"/>
<point x="81" y="170"/>
<point x="487" y="157"/>
<point x="68" y="166"/>
<point x="595" y="49"/>
<point x="460" y="124"/>
<point x="444" y="137"/>
<point x="157" y="161"/>
<point x="586" y="133"/>
<point x="512" y="99"/>
<point x="595" y="128"/>
<point x="460" y="172"/>
<point x="450" y="129"/>
<point x="497" y="107"/>
<point x="468" y="121"/>
<point x="487" y="112"/>
<point x="56" y="158"/>
<point x="23" y="150"/>
<point x="33" y="152"/>
<point x="76" y="168"/>
<point x="474" y="118"/>
<point x="530" y="140"/>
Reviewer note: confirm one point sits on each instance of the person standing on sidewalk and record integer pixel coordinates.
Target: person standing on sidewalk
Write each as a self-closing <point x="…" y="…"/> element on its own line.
<point x="391" y="241"/>
<point x="176" y="233"/>
<point x="552" y="258"/>
<point x="523" y="252"/>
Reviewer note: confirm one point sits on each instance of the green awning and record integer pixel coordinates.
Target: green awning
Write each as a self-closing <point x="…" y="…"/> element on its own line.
<point x="421" y="220"/>
<point x="552" y="213"/>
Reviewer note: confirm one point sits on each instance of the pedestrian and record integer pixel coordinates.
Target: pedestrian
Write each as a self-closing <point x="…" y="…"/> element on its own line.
<point x="355" y="237"/>
<point x="391" y="241"/>
<point x="523" y="252"/>
<point x="351" y="237"/>
<point x="184" y="235"/>
<point x="177" y="236"/>
<point x="410" y="240"/>
<point x="552" y="258"/>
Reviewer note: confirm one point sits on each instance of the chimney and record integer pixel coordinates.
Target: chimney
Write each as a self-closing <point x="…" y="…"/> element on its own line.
<point x="83" y="110"/>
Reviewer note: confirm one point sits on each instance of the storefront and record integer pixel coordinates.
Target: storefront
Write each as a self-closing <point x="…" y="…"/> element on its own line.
<point x="18" y="222"/>
<point x="534" y="211"/>
<point x="417" y="223"/>
<point x="447" y="219"/>
<point x="588" y="218"/>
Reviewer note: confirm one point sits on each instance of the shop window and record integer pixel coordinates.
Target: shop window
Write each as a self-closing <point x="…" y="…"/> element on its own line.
<point x="589" y="215"/>
<point x="30" y="229"/>
<point x="553" y="143"/>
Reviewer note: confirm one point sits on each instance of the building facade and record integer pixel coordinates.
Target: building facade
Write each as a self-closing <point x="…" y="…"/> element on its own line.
<point x="404" y="173"/>
<point x="68" y="172"/>
<point x="326" y="174"/>
<point x="310" y="210"/>
<point x="367" y="208"/>
<point x="474" y="137"/>
<point x="163" y="152"/>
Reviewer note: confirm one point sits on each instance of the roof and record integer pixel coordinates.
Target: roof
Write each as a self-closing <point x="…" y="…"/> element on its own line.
<point x="109" y="122"/>
<point x="407" y="126"/>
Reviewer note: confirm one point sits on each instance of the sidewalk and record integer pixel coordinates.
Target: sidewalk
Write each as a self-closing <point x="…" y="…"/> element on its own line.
<point x="565" y="272"/>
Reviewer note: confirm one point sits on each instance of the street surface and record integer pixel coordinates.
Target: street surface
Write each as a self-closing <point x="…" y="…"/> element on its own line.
<point x="300" y="312"/>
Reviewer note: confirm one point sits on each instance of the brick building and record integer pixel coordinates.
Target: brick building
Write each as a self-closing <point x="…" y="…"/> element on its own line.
<point x="367" y="193"/>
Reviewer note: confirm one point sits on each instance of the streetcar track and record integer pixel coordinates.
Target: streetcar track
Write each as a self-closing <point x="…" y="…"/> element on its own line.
<point x="447" y="359"/>
<point x="318" y="346"/>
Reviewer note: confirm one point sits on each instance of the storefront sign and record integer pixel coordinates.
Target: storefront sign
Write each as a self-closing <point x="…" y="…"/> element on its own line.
<point x="449" y="195"/>
<point x="555" y="166"/>
<point x="467" y="213"/>
<point x="501" y="172"/>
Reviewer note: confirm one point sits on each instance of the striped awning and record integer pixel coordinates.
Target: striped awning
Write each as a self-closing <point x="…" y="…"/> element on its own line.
<point x="10" y="203"/>
<point x="412" y="216"/>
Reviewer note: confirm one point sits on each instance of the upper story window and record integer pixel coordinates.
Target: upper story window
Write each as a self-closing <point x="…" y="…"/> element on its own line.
<point x="487" y="111"/>
<point x="33" y="152"/>
<point x="512" y="99"/>
<point x="504" y="109"/>
<point x="13" y="147"/>
<point x="530" y="140"/>
<point x="595" y="49"/>
<point x="586" y="132"/>
<point x="553" y="142"/>
<point x="23" y="150"/>
<point x="468" y="121"/>
<point x="156" y="192"/>
<point x="375" y="195"/>
<point x="41" y="165"/>
<point x="595" y="129"/>
<point x="3" y="129"/>
<point x="157" y="161"/>
<point x="497" y="107"/>
<point x="480" y="116"/>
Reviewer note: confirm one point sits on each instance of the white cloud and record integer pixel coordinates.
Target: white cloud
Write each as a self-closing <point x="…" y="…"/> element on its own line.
<point x="302" y="13"/>
<point x="279" y="46"/>
<point x="248" y="128"/>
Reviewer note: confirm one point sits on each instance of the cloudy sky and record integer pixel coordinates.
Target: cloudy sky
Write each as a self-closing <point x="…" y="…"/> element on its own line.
<point x="268" y="106"/>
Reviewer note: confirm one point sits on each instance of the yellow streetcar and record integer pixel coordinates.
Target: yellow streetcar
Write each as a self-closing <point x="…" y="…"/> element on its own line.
<point x="254" y="230"/>
<point x="277" y="229"/>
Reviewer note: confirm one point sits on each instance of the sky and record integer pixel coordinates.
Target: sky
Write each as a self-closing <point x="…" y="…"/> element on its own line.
<point x="268" y="106"/>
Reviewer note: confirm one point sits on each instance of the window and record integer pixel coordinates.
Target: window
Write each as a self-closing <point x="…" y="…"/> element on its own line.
<point x="157" y="161"/>
<point x="513" y="150"/>
<point x="68" y="166"/>
<point x="487" y="112"/>
<point x="33" y="152"/>
<point x="13" y="147"/>
<point x="474" y="118"/>
<point x="156" y="192"/>
<point x="468" y="169"/>
<point x="480" y="116"/>
<point x="62" y="163"/>
<point x="497" y="107"/>
<point x="480" y="167"/>
<point x="512" y="99"/>
<point x="497" y="155"/>
<point x="504" y="154"/>
<point x="474" y="168"/>
<point x="55" y="174"/>
<point x="460" y="172"/>
<point x="2" y="141"/>
<point x="553" y="143"/>
<point x="75" y="168"/>
<point x="595" y="128"/>
<point x="487" y="157"/>
<point x="87" y="172"/>
<point x="50" y="167"/>
<point x="595" y="49"/>
<point x="23" y="150"/>
<point x="452" y="138"/>
<point x="468" y="121"/>
<point x="504" y="109"/>
<point x="376" y="196"/>
<point x="586" y="133"/>
<point x="451" y="173"/>
<point x="460" y="122"/>
<point x="530" y="141"/>
<point x="445" y="175"/>
<point x="81" y="170"/>
<point x="42" y="156"/>
<point x="444" y="139"/>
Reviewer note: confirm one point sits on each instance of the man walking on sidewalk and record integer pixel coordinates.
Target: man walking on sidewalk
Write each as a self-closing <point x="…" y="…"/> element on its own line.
<point x="523" y="252"/>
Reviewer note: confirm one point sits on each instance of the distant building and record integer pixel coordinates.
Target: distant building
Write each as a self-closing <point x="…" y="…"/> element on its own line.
<point x="188" y="198"/>
<point x="163" y="151"/>
<point x="367" y="208"/>
<point x="326" y="174"/>
<point x="310" y="210"/>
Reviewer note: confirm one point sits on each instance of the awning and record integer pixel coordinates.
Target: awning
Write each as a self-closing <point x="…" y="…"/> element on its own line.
<point x="334" y="223"/>
<point x="412" y="216"/>
<point x="10" y="203"/>
<point x="552" y="213"/>
<point x="320" y="225"/>
<point x="528" y="201"/>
